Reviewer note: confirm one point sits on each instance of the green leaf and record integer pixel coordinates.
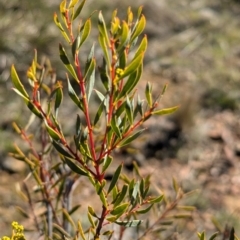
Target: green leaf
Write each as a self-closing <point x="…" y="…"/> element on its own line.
<point x="104" y="47"/>
<point x="124" y="35"/>
<point x="134" y="193"/>
<point x="132" y="81"/>
<point x="131" y="138"/>
<point x="99" y="113"/>
<point x="115" y="192"/>
<point x="52" y="133"/>
<point x="107" y="162"/>
<point x="156" y="199"/>
<point x="142" y="188"/>
<point x="66" y="62"/>
<point x="76" y="45"/>
<point x="58" y="99"/>
<point x="22" y="212"/>
<point x="164" y="89"/>
<point x="60" y="230"/>
<point x="61" y="149"/>
<point x="74" y="167"/>
<point x="115" y="127"/>
<point x="132" y="223"/>
<point x="85" y="31"/>
<point x="100" y="95"/>
<point x="139" y="11"/>
<point x="108" y="233"/>
<point x="186" y="208"/>
<point x="89" y="76"/>
<point x="79" y="9"/>
<point x="215" y="235"/>
<point x="104" y="75"/>
<point x="148" y="94"/>
<point x="90" y="63"/>
<point x="165" y="111"/>
<point x="91" y="220"/>
<point x="143" y="211"/>
<point x="80" y="230"/>
<point x="59" y="25"/>
<point x="121" y="195"/>
<point x="119" y="210"/>
<point x="129" y="111"/>
<point x="102" y="28"/>
<point x="142" y="47"/>
<point x="140" y="25"/>
<point x="99" y="186"/>
<point x="78" y="126"/>
<point x="91" y="211"/>
<point x="26" y="100"/>
<point x="74" y="209"/>
<point x="103" y="199"/>
<point x="112" y="219"/>
<point x="123" y="60"/>
<point x="72" y="3"/>
<point x="115" y="178"/>
<point x="69" y="218"/>
<point x="73" y="95"/>
<point x="17" y="83"/>
<point x="120" y="110"/>
<point x="201" y="236"/>
<point x="133" y="66"/>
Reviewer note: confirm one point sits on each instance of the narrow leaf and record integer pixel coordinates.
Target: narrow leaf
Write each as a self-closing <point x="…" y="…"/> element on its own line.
<point x="99" y="113"/>
<point x="115" y="127"/>
<point x="214" y="236"/>
<point x="131" y="138"/>
<point x="74" y="167"/>
<point x="165" y="111"/>
<point x="17" y="83"/>
<point x="91" y="211"/>
<point x="143" y="211"/>
<point x="107" y="162"/>
<point x="52" y="133"/>
<point x="85" y="31"/>
<point x="102" y="28"/>
<point x="73" y="95"/>
<point x="142" y="47"/>
<point x="124" y="34"/>
<point x="59" y="25"/>
<point x="76" y="45"/>
<point x="66" y="62"/>
<point x="61" y="149"/>
<point x="58" y="99"/>
<point x="79" y="9"/>
<point x="69" y="218"/>
<point x="121" y="195"/>
<point x="156" y="199"/>
<point x="140" y="25"/>
<point x="72" y="3"/>
<point x="115" y="178"/>
<point x="148" y="94"/>
<point x="80" y="230"/>
<point x="74" y="209"/>
<point x="104" y="75"/>
<point x="133" y="66"/>
<point x="22" y="212"/>
<point x="119" y="210"/>
<point x="132" y="223"/>
<point x="132" y="81"/>
<point x="104" y="47"/>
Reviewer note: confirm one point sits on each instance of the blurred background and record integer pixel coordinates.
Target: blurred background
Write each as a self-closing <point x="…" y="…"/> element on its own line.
<point x="194" y="45"/>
